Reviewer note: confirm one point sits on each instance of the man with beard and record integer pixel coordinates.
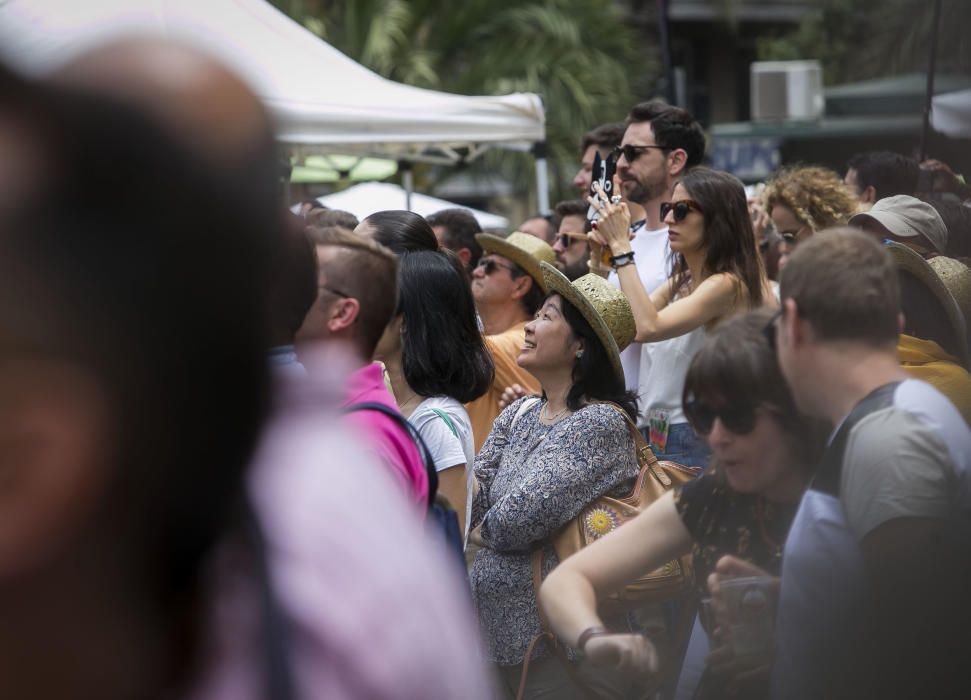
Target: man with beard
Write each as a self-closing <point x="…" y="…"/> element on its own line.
<point x="570" y="244"/>
<point x="660" y="144"/>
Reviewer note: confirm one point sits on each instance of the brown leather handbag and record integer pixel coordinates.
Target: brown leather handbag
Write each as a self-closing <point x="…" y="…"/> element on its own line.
<point x="606" y="514"/>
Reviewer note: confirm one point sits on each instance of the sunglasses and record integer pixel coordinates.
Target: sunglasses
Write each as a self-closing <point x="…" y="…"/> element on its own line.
<point x="738" y="419"/>
<point x="680" y="209"/>
<point x="769" y="330"/>
<point x="333" y="291"/>
<point x="567" y="239"/>
<point x="631" y="152"/>
<point x="489" y="266"/>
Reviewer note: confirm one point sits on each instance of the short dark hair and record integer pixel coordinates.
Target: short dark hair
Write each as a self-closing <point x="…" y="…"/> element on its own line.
<point x="322" y="218"/>
<point x="888" y="173"/>
<point x="845" y="284"/>
<point x="535" y="297"/>
<point x="460" y="228"/>
<point x="570" y="207"/>
<point x="957" y="221"/>
<point x="129" y="278"/>
<point x="442" y="350"/>
<point x="401" y="231"/>
<point x="367" y="271"/>
<point x="736" y="364"/>
<point x="593" y="374"/>
<point x="924" y="315"/>
<point x="605" y="137"/>
<point x="673" y="127"/>
<point x="294" y="282"/>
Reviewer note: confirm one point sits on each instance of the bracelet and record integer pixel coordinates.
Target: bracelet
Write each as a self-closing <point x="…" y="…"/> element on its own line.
<point x="587" y="634"/>
<point x="617" y="261"/>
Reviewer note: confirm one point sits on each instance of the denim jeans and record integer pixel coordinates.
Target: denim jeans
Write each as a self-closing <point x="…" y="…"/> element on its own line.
<point x="683" y="447"/>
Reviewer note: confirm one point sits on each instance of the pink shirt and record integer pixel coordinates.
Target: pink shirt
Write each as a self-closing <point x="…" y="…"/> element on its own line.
<point x="389" y="442"/>
<point x="374" y="608"/>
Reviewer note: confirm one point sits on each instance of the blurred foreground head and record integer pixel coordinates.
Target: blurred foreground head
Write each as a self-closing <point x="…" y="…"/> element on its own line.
<point x="132" y="365"/>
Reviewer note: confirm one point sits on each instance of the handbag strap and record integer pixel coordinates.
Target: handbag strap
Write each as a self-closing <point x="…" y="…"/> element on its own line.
<point x="646" y="459"/>
<point x="426" y="455"/>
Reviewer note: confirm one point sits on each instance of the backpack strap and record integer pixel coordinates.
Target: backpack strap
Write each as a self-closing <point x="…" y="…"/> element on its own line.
<point x="426" y="456"/>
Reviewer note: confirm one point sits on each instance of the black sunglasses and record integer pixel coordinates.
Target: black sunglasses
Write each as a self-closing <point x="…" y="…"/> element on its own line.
<point x="680" y="209"/>
<point x="631" y="152"/>
<point x="769" y="330"/>
<point x="490" y="266"/>
<point x="568" y="239"/>
<point x="737" y="418"/>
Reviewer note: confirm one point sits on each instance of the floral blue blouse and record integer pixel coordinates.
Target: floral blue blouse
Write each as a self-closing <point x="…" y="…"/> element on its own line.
<point x="533" y="479"/>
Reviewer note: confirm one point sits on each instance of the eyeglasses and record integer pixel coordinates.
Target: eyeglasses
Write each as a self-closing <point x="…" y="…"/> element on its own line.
<point x="680" y="209"/>
<point x="769" y="330"/>
<point x="631" y="152"/>
<point x="566" y="239"/>
<point x="489" y="266"/>
<point x="737" y="418"/>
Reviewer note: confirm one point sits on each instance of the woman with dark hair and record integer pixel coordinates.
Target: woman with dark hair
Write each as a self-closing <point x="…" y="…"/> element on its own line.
<point x="716" y="272"/>
<point x="398" y="230"/>
<point x="437" y="361"/>
<point x="743" y="506"/>
<point x="544" y="460"/>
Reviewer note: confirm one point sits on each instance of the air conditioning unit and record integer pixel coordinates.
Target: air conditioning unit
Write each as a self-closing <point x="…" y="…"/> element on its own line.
<point x="787" y="91"/>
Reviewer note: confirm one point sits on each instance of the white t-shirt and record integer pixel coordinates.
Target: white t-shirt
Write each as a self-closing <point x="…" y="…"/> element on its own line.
<point x="651" y="252"/>
<point x="447" y="449"/>
<point x="663" y="372"/>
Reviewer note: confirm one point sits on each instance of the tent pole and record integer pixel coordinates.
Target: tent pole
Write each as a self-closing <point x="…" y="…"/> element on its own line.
<point x="935" y="28"/>
<point x="407" y="181"/>
<point x="542" y="178"/>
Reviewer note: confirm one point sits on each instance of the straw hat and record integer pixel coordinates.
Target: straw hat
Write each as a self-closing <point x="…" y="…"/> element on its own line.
<point x="927" y="273"/>
<point x="604" y="307"/>
<point x="523" y="249"/>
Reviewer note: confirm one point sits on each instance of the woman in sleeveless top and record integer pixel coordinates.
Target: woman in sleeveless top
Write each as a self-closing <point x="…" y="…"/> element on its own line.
<point x="716" y="273"/>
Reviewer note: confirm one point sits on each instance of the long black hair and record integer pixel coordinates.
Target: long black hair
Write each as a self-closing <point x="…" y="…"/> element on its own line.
<point x="442" y="351"/>
<point x="593" y="374"/>
<point x="728" y="236"/>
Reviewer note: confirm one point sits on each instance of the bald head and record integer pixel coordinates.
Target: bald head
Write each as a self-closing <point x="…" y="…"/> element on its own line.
<point x="187" y="90"/>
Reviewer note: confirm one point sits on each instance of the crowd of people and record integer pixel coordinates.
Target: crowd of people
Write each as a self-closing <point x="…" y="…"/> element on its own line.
<point x="691" y="439"/>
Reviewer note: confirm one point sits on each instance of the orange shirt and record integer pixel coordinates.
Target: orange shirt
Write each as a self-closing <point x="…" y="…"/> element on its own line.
<point x="925" y="360"/>
<point x="505" y="348"/>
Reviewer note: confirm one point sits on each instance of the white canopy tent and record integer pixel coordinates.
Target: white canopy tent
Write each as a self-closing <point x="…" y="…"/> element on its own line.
<point x="368" y="197"/>
<point x="951" y="114"/>
<point x="322" y="101"/>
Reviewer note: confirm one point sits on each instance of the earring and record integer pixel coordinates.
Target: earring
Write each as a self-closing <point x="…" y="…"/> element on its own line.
<point x="579" y="354"/>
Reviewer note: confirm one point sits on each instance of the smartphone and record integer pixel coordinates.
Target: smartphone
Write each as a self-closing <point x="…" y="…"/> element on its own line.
<point x="603" y="173"/>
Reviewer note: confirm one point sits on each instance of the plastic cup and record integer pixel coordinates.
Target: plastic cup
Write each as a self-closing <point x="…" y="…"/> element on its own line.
<point x="750" y="603"/>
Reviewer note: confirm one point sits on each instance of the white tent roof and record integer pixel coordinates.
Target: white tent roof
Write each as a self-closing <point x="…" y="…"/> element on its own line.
<point x="318" y="96"/>
<point x="368" y="197"/>
<point x="951" y="114"/>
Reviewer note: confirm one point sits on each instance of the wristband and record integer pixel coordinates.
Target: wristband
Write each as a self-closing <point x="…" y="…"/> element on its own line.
<point x="589" y="633"/>
<point x="617" y="261"/>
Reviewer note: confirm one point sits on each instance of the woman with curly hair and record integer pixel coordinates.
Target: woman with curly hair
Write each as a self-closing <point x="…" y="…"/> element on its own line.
<point x="805" y="199"/>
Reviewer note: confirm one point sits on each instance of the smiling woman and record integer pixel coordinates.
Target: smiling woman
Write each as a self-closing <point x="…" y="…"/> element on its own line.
<point x="542" y="463"/>
<point x="743" y="506"/>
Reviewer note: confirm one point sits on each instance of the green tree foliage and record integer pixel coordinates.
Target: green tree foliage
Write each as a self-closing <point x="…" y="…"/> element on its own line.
<point x="862" y="39"/>
<point x="577" y="54"/>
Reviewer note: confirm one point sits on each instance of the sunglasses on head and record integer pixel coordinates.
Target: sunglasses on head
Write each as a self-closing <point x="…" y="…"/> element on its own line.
<point x="489" y="266"/>
<point x="680" y="209"/>
<point x="737" y="418"/>
<point x="631" y="152"/>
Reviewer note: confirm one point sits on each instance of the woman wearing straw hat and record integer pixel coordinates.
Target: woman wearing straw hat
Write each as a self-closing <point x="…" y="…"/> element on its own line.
<point x="934" y="343"/>
<point x="716" y="272"/>
<point x="543" y="462"/>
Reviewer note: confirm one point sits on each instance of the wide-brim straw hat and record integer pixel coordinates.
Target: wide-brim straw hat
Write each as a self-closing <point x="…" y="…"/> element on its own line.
<point x="912" y="262"/>
<point x="603" y="306"/>
<point x="523" y="249"/>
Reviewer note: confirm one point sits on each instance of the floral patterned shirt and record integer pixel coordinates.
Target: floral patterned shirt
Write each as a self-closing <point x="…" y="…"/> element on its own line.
<point x="533" y="479"/>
